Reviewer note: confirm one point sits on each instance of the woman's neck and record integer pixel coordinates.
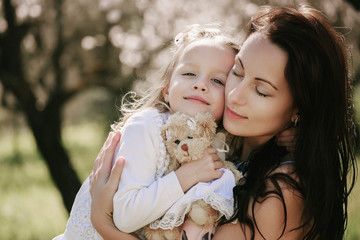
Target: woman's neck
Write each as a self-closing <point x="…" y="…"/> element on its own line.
<point x="250" y="144"/>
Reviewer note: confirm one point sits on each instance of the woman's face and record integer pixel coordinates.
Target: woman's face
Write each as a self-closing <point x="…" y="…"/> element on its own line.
<point x="259" y="103"/>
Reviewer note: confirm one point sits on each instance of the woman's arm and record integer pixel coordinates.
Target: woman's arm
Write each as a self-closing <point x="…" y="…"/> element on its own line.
<point x="104" y="180"/>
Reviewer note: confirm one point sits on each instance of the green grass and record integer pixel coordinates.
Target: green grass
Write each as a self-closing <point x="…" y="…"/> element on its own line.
<point x="30" y="205"/>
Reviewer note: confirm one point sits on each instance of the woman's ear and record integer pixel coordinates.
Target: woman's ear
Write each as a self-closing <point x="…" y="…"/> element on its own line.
<point x="165" y="93"/>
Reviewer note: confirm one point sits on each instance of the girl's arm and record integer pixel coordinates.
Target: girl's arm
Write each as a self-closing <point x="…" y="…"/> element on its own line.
<point x="141" y="197"/>
<point x="104" y="181"/>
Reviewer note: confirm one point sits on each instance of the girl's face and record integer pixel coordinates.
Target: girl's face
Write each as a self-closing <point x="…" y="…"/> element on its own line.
<point x="198" y="81"/>
<point x="259" y="103"/>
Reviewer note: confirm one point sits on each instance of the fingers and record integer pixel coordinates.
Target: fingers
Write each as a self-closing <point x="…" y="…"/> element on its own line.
<point x="210" y="150"/>
<point x="218" y="174"/>
<point x="109" y="151"/>
<point x="116" y="172"/>
<point x="218" y="165"/>
<point x="103" y="161"/>
<point x="102" y="150"/>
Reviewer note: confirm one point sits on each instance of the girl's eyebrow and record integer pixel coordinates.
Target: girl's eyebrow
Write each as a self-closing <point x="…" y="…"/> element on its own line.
<point x="258" y="79"/>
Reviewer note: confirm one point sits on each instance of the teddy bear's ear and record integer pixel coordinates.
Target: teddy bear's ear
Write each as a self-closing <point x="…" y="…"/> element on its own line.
<point x="207" y="122"/>
<point x="191" y="123"/>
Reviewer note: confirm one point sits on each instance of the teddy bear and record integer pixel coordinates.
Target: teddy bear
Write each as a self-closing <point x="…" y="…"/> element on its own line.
<point x="186" y="138"/>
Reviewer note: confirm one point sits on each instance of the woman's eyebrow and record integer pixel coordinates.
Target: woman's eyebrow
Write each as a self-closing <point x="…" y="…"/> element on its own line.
<point x="258" y="79"/>
<point x="266" y="81"/>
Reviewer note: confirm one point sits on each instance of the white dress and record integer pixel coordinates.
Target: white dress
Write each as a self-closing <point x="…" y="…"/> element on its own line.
<point x="144" y="194"/>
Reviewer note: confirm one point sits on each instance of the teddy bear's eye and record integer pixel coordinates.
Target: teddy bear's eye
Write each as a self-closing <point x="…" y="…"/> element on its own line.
<point x="177" y="141"/>
<point x="190" y="137"/>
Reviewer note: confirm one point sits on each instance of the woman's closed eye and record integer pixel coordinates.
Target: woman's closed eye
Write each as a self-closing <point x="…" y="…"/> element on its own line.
<point x="260" y="93"/>
<point x="236" y="74"/>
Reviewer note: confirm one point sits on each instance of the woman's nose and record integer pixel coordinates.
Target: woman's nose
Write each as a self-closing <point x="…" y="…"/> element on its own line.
<point x="238" y="94"/>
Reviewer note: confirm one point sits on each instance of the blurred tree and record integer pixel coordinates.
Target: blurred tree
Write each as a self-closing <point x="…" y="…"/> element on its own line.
<point x="52" y="50"/>
<point x="44" y="119"/>
<point x="34" y="50"/>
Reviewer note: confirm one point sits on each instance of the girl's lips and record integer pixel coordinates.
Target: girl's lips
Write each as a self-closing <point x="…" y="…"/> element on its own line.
<point x="196" y="99"/>
<point x="233" y="114"/>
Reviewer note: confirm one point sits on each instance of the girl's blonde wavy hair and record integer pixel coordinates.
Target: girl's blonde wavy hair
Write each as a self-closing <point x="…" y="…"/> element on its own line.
<point x="154" y="97"/>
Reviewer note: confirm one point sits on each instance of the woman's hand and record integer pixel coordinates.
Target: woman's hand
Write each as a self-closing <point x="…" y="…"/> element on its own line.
<point x="104" y="180"/>
<point x="203" y="170"/>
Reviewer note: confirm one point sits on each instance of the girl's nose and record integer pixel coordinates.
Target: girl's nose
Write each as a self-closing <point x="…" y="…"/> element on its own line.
<point x="200" y="85"/>
<point x="203" y="89"/>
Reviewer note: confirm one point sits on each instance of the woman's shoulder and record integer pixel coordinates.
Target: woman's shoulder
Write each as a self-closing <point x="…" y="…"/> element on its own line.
<point x="284" y="202"/>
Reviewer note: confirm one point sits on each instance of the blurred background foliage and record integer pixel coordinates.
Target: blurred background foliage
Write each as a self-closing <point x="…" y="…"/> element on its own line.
<point x="64" y="66"/>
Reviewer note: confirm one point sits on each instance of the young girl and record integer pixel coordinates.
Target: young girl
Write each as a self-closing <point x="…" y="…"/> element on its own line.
<point x="292" y="67"/>
<point x="193" y="82"/>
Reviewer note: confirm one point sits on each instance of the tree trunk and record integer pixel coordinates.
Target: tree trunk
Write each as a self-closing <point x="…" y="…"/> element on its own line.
<point x="45" y="124"/>
<point x="47" y="132"/>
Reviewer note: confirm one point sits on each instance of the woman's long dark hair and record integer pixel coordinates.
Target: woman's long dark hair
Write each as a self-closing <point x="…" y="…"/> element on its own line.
<point x="318" y="76"/>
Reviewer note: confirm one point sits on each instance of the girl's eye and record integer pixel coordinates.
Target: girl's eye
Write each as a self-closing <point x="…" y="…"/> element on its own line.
<point x="177" y="142"/>
<point x="189" y="137"/>
<point x="217" y="81"/>
<point x="189" y="74"/>
<point x="260" y="93"/>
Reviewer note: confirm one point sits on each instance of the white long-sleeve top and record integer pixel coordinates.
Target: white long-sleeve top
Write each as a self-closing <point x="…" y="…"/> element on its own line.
<point x="144" y="194"/>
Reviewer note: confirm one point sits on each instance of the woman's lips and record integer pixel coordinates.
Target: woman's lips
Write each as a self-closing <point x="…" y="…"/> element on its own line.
<point x="233" y="114"/>
<point x="196" y="99"/>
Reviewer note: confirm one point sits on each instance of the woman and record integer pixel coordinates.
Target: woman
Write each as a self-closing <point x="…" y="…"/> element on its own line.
<point x="291" y="69"/>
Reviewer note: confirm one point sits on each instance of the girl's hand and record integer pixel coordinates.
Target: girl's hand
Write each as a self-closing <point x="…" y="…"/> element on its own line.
<point x="287" y="138"/>
<point x="104" y="180"/>
<point x="203" y="170"/>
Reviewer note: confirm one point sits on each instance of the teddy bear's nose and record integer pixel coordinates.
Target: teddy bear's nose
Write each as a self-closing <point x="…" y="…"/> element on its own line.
<point x="184" y="147"/>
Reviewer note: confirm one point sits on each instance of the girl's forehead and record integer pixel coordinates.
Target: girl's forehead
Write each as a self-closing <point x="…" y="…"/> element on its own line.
<point x="205" y="43"/>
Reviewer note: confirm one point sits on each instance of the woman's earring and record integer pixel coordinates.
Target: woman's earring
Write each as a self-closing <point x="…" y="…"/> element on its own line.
<point x="296" y="120"/>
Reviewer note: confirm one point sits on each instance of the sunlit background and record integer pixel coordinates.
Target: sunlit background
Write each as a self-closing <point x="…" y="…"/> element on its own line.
<point x="64" y="66"/>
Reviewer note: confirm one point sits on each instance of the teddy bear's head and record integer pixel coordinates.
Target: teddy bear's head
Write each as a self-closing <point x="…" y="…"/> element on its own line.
<point x="187" y="137"/>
